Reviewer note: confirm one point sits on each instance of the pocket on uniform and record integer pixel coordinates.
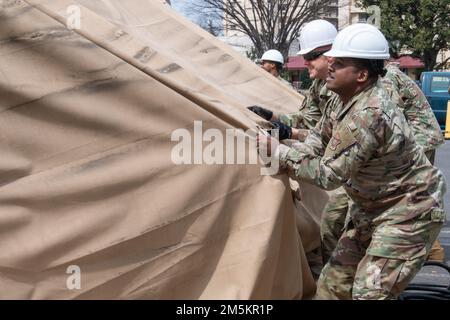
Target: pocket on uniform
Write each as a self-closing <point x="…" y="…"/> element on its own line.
<point x="438" y="215"/>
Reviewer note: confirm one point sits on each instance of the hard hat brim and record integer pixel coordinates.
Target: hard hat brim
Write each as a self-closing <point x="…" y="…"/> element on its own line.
<point x="317" y="45"/>
<point x="357" y="55"/>
<point x="305" y="51"/>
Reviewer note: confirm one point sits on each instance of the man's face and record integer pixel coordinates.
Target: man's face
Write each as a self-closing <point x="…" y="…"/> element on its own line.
<point x="268" y="66"/>
<point x="342" y="76"/>
<point x="317" y="63"/>
<point x="318" y="67"/>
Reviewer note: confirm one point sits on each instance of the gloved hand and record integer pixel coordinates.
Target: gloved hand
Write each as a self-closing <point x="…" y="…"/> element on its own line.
<point x="284" y="131"/>
<point x="260" y="111"/>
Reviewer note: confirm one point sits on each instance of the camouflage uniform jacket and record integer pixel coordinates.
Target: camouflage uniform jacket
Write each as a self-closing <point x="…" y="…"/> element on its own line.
<point x="366" y="145"/>
<point x="312" y="108"/>
<point x="415" y="107"/>
<point x="285" y="82"/>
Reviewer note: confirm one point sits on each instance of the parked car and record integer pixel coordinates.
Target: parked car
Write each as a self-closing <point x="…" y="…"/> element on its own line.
<point x="436" y="87"/>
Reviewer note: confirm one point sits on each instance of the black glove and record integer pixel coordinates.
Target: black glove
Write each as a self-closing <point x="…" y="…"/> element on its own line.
<point x="284" y="131"/>
<point x="260" y="111"/>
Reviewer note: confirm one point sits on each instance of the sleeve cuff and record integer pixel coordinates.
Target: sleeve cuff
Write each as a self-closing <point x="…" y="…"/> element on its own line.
<point x="281" y="153"/>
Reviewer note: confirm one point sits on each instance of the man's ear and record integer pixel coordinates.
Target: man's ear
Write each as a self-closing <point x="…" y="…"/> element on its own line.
<point x="363" y="75"/>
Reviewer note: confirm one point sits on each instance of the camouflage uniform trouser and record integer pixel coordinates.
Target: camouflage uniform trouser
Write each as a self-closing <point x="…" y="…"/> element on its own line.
<point x="332" y="222"/>
<point x="353" y="273"/>
<point x="437" y="252"/>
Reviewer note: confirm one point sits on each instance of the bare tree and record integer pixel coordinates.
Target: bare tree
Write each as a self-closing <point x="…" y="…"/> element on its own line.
<point x="210" y="24"/>
<point x="270" y="24"/>
<point x="209" y="19"/>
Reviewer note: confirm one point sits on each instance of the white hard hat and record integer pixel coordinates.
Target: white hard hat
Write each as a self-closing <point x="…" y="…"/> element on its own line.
<point x="360" y="40"/>
<point x="315" y="34"/>
<point x="273" y="55"/>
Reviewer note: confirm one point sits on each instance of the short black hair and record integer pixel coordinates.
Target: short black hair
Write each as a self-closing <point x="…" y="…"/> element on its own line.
<point x="374" y="67"/>
<point x="393" y="54"/>
<point x="278" y="65"/>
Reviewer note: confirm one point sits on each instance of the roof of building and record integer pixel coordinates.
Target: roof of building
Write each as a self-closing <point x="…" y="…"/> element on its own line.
<point x="408" y="62"/>
<point x="295" y="63"/>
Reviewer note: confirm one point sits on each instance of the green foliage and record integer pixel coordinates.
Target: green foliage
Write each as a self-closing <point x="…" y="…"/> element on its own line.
<point x="305" y="79"/>
<point x="422" y="26"/>
<point x="252" y="54"/>
<point x="285" y="75"/>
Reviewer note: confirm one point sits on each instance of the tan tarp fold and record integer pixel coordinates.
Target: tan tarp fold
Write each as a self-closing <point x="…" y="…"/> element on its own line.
<point x="87" y="178"/>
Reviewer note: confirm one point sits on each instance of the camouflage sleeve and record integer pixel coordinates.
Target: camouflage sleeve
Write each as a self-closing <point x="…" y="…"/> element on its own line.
<point x="317" y="138"/>
<point x="420" y="117"/>
<point x="308" y="114"/>
<point x="316" y="141"/>
<point x="416" y="109"/>
<point x="351" y="145"/>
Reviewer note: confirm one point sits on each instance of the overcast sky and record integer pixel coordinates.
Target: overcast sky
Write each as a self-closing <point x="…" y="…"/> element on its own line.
<point x="182" y="6"/>
<point x="178" y="4"/>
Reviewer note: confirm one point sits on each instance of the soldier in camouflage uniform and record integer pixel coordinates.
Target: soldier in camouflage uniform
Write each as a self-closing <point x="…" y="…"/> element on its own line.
<point x="315" y="39"/>
<point x="419" y="115"/>
<point x="311" y="109"/>
<point x="272" y="61"/>
<point x="364" y="143"/>
<point x="422" y="120"/>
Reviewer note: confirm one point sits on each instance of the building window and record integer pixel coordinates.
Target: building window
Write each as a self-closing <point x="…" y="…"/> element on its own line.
<point x="363" y="16"/>
<point x="440" y="84"/>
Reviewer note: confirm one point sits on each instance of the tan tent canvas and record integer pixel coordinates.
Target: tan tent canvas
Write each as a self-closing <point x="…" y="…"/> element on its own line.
<point x="92" y="205"/>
